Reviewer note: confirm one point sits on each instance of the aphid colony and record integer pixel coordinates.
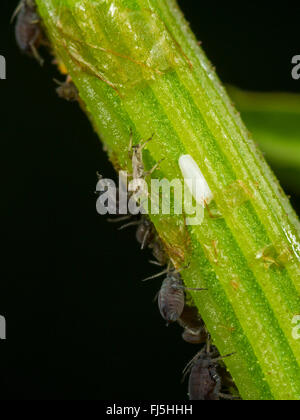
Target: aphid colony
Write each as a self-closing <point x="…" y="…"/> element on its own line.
<point x="206" y="377"/>
<point x="29" y="36"/>
<point x="205" y="382"/>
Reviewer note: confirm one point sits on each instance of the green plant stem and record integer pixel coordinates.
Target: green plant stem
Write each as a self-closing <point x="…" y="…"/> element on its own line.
<point x="137" y="65"/>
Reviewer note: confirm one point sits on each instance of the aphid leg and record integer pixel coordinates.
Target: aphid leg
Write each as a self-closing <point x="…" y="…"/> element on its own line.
<point x="35" y="51"/>
<point x="129" y="225"/>
<point x="155" y="167"/>
<point x="162" y="273"/>
<point x="208" y="343"/>
<point x="146" y="236"/>
<point x="218" y="381"/>
<point x="130" y="143"/>
<point x="217" y="359"/>
<point x="156" y="263"/>
<point x="190" y="364"/>
<point x="195" y="289"/>
<point x="167" y="271"/>
<point x="157" y="275"/>
<point x="228" y="396"/>
<point x="119" y="219"/>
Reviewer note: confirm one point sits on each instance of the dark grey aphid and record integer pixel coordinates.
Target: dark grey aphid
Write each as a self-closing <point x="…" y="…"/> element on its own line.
<point x="147" y="236"/>
<point x="204" y="381"/>
<point x="194" y="336"/>
<point x="158" y="251"/>
<point x="28" y="30"/>
<point x="171" y="297"/>
<point x="194" y="328"/>
<point x="190" y="318"/>
<point x="145" y="232"/>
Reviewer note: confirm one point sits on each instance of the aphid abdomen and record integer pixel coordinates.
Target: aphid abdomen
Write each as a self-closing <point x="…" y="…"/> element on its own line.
<point x="190" y="318"/>
<point x="27" y="30"/>
<point x="158" y="251"/>
<point x="171" y="300"/>
<point x="194" y="336"/>
<point x="202" y="385"/>
<point x="194" y="328"/>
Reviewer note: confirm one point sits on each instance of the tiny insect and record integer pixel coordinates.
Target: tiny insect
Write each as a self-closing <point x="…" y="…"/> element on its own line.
<point x="28" y="31"/>
<point x="145" y="232"/>
<point x="190" y="318"/>
<point x="158" y="251"/>
<point x="171" y="297"/>
<point x="204" y="381"/>
<point x="194" y="336"/>
<point x="147" y="236"/>
<point x="67" y="90"/>
<point x="194" y="328"/>
<point x="136" y="155"/>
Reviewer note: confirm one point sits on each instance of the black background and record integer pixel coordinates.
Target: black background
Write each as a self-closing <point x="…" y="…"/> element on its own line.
<point x="80" y="324"/>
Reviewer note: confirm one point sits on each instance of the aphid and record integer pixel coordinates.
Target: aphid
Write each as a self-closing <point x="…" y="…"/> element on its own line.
<point x="190" y="318"/>
<point x="171" y="298"/>
<point x="204" y="381"/>
<point x="145" y="232"/>
<point x="28" y="30"/>
<point x="158" y="251"/>
<point x="67" y="90"/>
<point x="194" y="336"/>
<point x="195" y="180"/>
<point x="136" y="154"/>
<point x="194" y="328"/>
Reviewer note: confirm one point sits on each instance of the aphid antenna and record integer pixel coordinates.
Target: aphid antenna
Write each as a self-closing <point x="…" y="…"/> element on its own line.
<point x="142" y="145"/>
<point x="127" y="225"/>
<point x="190" y="364"/>
<point x="17" y="10"/>
<point x="155" y="297"/>
<point x="217" y="359"/>
<point x="156" y="263"/>
<point x="166" y="271"/>
<point x="155" y="167"/>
